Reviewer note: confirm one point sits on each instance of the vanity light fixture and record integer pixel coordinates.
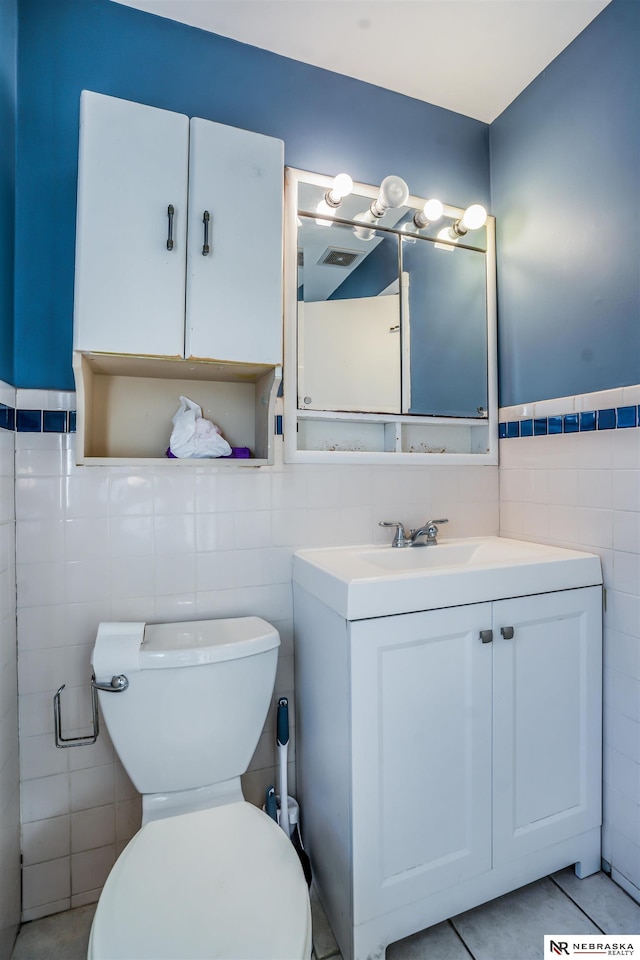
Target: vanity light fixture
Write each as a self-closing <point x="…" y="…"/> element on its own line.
<point x="393" y="192"/>
<point x="432" y="210"/>
<point x="340" y="188"/>
<point x="473" y="218"/>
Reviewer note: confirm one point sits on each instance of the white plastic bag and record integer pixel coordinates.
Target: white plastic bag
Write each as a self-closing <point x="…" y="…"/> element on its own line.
<point x="192" y="436"/>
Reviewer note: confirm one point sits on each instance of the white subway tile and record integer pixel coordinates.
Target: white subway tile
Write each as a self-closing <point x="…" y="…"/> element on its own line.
<point x="86" y="580"/>
<point x="86" y="495"/>
<point x="39" y="757"/>
<point x="595" y="488"/>
<point x="132" y="577"/>
<point x="252" y="529"/>
<point x="90" y="869"/>
<point x="215" y="492"/>
<point x="130" y="494"/>
<point x="173" y="575"/>
<point x="252" y="491"/>
<point x="174" y="493"/>
<point x="128" y="818"/>
<point x="174" y="534"/>
<point x="42" y="627"/>
<point x="93" y="828"/>
<point x="626" y="490"/>
<point x="39" y="541"/>
<point x="631" y="395"/>
<point x="626" y="570"/>
<point x="289" y="490"/>
<point x="44" y="798"/>
<point x="86" y="539"/>
<point x="93" y="787"/>
<point x="626" y="531"/>
<point x="38" y="498"/>
<point x="45" y="882"/>
<point x="173" y="608"/>
<point x="30" y="399"/>
<point x="131" y="536"/>
<point x="45" y="840"/>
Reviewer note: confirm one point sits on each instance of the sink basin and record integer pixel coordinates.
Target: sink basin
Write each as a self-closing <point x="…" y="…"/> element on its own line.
<point x="373" y="581"/>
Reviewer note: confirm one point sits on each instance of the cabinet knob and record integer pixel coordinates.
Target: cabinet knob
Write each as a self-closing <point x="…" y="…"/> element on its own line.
<point x="507" y="632"/>
<point x="486" y="636"/>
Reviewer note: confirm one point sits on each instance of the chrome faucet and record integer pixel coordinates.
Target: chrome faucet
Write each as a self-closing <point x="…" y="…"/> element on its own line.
<point x="429" y="531"/>
<point x="400" y="539"/>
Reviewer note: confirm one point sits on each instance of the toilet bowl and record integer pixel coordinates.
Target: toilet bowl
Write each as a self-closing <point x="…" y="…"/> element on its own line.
<point x="208" y="875"/>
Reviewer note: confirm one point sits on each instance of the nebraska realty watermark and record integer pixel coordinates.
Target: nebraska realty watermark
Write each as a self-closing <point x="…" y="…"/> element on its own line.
<point x="565" y="945"/>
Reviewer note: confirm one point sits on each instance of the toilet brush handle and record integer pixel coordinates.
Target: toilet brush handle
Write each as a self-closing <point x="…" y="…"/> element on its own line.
<point x="283" y="749"/>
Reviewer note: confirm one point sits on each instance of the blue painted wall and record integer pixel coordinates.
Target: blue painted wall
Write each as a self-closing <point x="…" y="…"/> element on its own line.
<point x="328" y="122"/>
<point x="565" y="161"/>
<point x="8" y="57"/>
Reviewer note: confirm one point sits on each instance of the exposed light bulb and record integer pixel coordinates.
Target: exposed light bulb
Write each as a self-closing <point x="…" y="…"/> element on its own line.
<point x="364" y="233"/>
<point x="323" y="207"/>
<point x="445" y="234"/>
<point x="473" y="218"/>
<point x="340" y="188"/>
<point x="431" y="211"/>
<point x="394" y="192"/>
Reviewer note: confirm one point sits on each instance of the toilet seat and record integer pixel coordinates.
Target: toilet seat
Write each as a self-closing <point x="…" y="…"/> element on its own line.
<point x="220" y="883"/>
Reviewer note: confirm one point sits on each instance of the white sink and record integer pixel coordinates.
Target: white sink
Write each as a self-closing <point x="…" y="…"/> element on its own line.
<point x="372" y="581"/>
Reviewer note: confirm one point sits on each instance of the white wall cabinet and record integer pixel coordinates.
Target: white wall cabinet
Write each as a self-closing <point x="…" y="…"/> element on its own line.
<point x="178" y="245"/>
<point x="438" y="771"/>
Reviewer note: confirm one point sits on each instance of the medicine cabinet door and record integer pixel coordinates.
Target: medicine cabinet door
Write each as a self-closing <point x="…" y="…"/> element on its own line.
<point x="234" y="257"/>
<point x="131" y="228"/>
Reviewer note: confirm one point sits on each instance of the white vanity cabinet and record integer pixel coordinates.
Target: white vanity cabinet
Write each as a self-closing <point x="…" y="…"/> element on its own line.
<point x="438" y="771"/>
<point x="178" y="261"/>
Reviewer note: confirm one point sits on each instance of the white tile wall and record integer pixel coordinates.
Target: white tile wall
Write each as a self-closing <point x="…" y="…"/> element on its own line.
<point x="9" y="770"/>
<point x="583" y="491"/>
<point x="100" y="543"/>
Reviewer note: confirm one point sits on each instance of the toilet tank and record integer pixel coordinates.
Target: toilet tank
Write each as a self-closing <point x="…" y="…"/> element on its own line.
<point x="197" y="697"/>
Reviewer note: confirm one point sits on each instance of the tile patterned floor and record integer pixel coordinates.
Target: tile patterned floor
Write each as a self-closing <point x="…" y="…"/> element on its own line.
<point x="509" y="928"/>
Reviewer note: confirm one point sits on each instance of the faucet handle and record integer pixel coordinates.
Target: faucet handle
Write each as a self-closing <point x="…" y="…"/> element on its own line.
<point x="431" y="522"/>
<point x="400" y="538"/>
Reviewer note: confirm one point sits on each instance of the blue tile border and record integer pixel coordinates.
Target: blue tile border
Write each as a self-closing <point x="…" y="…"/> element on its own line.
<point x="613" y="418"/>
<point x="37" y="421"/>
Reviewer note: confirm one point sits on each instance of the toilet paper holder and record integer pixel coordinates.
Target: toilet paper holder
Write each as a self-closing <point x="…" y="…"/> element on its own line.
<point x="118" y="684"/>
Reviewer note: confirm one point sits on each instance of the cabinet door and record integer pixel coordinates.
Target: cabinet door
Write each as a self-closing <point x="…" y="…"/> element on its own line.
<point x="547" y="720"/>
<point x="421" y="765"/>
<point x="129" y="289"/>
<point x="234" y="292"/>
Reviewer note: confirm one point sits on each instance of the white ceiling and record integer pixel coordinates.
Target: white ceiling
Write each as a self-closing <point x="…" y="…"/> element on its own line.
<point x="470" y="56"/>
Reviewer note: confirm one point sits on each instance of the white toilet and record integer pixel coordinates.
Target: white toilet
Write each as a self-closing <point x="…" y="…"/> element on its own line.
<point x="207" y="875"/>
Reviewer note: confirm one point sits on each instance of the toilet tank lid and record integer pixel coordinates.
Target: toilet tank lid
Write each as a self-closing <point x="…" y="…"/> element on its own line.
<point x="195" y="642"/>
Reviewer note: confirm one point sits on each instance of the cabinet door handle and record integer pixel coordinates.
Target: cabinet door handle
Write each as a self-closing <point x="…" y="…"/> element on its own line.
<point x="205" y="242"/>
<point x="507" y="632"/>
<point x="170" y="214"/>
<point x="486" y="636"/>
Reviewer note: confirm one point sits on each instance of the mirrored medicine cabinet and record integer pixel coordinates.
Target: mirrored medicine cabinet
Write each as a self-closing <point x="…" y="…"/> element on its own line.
<point x="390" y="331"/>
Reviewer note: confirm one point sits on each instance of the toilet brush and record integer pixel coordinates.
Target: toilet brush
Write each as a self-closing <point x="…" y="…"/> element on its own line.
<point x="282" y="726"/>
<point x="291" y="828"/>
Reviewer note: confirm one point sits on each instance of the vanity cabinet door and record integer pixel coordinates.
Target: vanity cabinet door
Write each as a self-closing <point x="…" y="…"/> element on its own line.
<point x="421" y="762"/>
<point x="547" y="720"/>
<point x="234" y="281"/>
<point x="129" y="287"/>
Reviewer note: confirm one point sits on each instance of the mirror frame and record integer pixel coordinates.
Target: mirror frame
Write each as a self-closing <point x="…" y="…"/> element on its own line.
<point x="394" y="425"/>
